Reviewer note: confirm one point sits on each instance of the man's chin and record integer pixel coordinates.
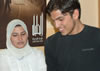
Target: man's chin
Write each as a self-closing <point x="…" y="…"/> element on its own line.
<point x="63" y="34"/>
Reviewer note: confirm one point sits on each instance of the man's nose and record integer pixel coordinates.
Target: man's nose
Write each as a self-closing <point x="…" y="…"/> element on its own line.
<point x="57" y="24"/>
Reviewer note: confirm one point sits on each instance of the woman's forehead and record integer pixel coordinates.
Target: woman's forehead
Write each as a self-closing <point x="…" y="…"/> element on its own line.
<point x="18" y="28"/>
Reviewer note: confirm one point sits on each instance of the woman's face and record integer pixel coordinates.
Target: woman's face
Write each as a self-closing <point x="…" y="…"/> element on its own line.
<point x="19" y="37"/>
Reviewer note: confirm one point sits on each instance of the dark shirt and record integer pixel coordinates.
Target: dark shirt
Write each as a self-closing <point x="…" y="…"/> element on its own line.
<point x="79" y="52"/>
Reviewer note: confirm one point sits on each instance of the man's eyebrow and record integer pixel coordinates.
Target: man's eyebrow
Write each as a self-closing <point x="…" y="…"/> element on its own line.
<point x="59" y="17"/>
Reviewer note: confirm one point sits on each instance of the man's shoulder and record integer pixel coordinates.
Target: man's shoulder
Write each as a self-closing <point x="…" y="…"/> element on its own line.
<point x="94" y="32"/>
<point x="92" y="28"/>
<point x="54" y="36"/>
<point x="51" y="40"/>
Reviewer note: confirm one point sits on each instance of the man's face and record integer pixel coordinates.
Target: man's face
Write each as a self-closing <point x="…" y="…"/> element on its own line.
<point x="19" y="37"/>
<point x="63" y="22"/>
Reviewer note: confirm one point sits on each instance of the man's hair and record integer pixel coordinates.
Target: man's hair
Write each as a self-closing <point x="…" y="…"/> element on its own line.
<point x="64" y="6"/>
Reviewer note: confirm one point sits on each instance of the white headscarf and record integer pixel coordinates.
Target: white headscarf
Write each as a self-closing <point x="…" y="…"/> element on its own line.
<point x="17" y="52"/>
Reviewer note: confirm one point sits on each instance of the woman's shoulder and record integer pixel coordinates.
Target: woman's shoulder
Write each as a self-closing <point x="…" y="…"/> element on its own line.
<point x="37" y="51"/>
<point x="3" y="51"/>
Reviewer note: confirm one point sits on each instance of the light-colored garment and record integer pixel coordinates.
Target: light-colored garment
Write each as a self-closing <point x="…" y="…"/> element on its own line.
<point x="20" y="59"/>
<point x="32" y="62"/>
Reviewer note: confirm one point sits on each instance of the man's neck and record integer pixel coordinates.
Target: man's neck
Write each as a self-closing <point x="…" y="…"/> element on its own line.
<point x="78" y="27"/>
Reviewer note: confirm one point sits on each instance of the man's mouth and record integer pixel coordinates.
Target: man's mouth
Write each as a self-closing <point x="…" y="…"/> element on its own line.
<point x="61" y="29"/>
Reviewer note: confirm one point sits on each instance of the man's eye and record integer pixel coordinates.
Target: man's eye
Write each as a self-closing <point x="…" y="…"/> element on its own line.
<point x="60" y="19"/>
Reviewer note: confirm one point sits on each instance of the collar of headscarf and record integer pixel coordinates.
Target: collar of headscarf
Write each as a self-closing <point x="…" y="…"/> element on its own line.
<point x="17" y="52"/>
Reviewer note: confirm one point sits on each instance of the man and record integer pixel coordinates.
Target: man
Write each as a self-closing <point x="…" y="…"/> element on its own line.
<point x="76" y="47"/>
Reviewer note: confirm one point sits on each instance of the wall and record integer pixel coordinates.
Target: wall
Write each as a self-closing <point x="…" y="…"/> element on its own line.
<point x="89" y="12"/>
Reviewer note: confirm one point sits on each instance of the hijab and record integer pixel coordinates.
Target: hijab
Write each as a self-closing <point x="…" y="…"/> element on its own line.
<point x="12" y="50"/>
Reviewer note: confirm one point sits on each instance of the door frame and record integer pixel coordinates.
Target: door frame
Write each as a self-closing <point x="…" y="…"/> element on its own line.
<point x="99" y="12"/>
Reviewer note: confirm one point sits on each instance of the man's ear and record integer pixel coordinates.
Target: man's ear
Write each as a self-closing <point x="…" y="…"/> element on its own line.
<point x="76" y="14"/>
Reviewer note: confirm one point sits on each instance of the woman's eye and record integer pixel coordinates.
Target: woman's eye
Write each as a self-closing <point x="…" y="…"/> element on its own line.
<point x="14" y="35"/>
<point x="23" y="33"/>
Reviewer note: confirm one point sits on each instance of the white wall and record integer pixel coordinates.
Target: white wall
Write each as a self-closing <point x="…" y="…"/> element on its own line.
<point x="89" y="12"/>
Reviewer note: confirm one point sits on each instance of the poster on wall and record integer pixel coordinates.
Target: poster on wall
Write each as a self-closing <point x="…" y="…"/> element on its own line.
<point x="32" y="12"/>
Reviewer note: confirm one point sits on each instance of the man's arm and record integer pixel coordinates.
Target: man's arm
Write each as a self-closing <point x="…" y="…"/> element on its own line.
<point x="50" y="57"/>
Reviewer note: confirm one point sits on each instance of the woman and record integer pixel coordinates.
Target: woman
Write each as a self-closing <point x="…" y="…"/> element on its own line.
<point x="19" y="56"/>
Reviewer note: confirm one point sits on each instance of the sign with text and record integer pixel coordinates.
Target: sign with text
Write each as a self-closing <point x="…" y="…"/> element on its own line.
<point x="32" y="12"/>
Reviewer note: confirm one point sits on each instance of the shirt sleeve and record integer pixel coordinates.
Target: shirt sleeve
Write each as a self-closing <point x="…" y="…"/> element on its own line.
<point x="50" y="57"/>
